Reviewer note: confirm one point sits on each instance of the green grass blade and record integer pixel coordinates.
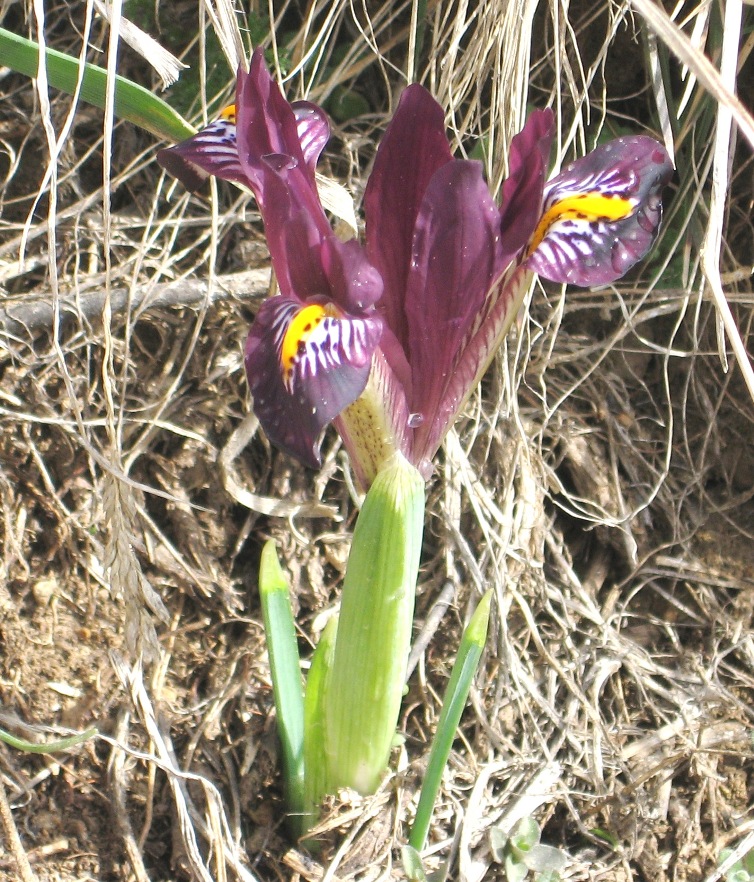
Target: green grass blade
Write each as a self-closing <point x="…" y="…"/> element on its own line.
<point x="132" y="102"/>
<point x="286" y="677"/>
<point x="315" y="760"/>
<point x="51" y="746"/>
<point x="469" y="653"/>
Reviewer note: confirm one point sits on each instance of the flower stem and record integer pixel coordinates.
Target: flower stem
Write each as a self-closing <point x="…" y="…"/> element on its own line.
<point x="365" y="689"/>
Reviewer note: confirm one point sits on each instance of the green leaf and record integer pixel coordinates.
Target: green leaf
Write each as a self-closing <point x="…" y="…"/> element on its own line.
<point x="374" y="630"/>
<point x="515" y="871"/>
<point x="545" y="859"/>
<point x="132" y="102"/>
<point x="51" y="746"/>
<point x="469" y="653"/>
<point x="315" y="760"/>
<point x="547" y="876"/>
<point x="498" y="844"/>
<point x="286" y="678"/>
<point x="605" y="836"/>
<point x="524" y="837"/>
<point x="412" y="864"/>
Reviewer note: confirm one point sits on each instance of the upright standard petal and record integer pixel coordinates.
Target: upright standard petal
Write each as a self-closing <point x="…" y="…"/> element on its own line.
<point x="305" y="363"/>
<point x="455" y="260"/>
<point x="521" y="196"/>
<point x="308" y="258"/>
<point x="601" y="214"/>
<point x="413" y="148"/>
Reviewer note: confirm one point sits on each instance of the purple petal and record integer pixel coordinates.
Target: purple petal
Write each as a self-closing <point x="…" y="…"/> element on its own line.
<point x="456" y="259"/>
<point x="309" y="260"/>
<point x="521" y="196"/>
<point x="601" y="213"/>
<point x="313" y="130"/>
<point x="413" y="149"/>
<point x="214" y="149"/>
<point x="304" y="365"/>
<point x="295" y="244"/>
<point x="483" y="339"/>
<point x="354" y="283"/>
<point x="211" y="151"/>
<point x="268" y="141"/>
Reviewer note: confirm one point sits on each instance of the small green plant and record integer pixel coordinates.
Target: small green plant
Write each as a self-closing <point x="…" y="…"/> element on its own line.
<point x="521" y="852"/>
<point x="742" y="870"/>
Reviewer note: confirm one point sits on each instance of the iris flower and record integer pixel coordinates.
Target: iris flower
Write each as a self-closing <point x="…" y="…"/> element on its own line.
<point x="389" y="338"/>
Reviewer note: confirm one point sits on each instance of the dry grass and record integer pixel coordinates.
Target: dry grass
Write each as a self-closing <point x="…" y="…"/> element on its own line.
<point x="601" y="481"/>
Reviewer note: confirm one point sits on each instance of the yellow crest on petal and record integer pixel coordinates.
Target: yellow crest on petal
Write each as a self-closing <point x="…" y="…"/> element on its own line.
<point x="228" y="113"/>
<point x="590" y="207"/>
<point x="299" y="333"/>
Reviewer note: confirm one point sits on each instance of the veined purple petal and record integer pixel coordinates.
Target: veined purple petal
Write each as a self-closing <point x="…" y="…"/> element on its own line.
<point x="304" y="365"/>
<point x="211" y="151"/>
<point x="456" y="259"/>
<point x="475" y="353"/>
<point x="269" y="144"/>
<point x="313" y="130"/>
<point x="354" y="283"/>
<point x="214" y="149"/>
<point x="601" y="214"/>
<point x="413" y="148"/>
<point x="521" y="196"/>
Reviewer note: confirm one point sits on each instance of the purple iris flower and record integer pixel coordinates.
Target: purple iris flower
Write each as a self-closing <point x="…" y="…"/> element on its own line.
<point x="388" y="340"/>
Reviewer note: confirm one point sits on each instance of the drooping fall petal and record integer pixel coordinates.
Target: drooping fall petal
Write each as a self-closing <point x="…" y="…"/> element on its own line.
<point x="211" y="151"/>
<point x="305" y="363"/>
<point x="413" y="148"/>
<point x="601" y="214"/>
<point x="214" y="149"/>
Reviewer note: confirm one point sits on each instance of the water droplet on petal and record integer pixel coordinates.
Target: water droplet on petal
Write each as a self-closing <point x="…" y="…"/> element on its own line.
<point x="415" y="420"/>
<point x="280" y="161"/>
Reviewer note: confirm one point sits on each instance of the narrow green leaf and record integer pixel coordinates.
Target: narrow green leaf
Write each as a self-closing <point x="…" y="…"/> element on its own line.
<point x="469" y="653"/>
<point x="286" y="678"/>
<point x="132" y="102"/>
<point x="51" y="746"/>
<point x="374" y="631"/>
<point x="315" y="761"/>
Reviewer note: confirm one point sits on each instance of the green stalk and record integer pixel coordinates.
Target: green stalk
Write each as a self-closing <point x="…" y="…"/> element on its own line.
<point x="467" y="660"/>
<point x="132" y="102"/>
<point x="363" y="697"/>
<point x="286" y="678"/>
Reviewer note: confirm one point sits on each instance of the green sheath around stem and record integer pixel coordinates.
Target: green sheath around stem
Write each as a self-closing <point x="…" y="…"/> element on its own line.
<point x="366" y="682"/>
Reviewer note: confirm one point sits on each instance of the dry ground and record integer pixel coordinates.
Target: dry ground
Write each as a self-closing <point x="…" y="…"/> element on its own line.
<point x="601" y="481"/>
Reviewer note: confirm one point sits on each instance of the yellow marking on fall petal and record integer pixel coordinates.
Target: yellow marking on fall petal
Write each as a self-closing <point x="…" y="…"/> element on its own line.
<point x="590" y="207"/>
<point x="302" y="326"/>
<point x="229" y="113"/>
